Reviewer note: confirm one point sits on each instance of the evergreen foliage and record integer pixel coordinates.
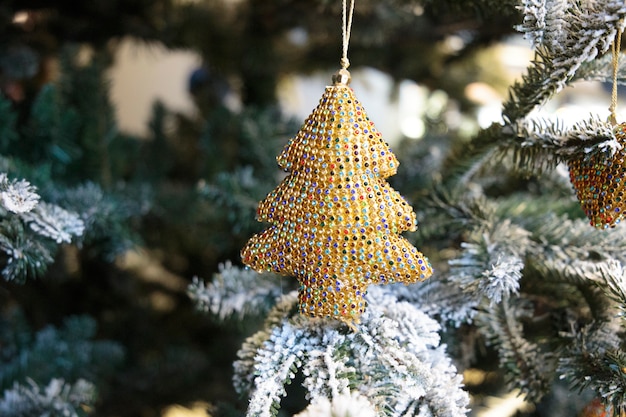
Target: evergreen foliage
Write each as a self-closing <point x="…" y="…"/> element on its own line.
<point x="57" y="399"/>
<point x="228" y="293"/>
<point x="394" y="359"/>
<point x="68" y="352"/>
<point x="31" y="229"/>
<point x="48" y="372"/>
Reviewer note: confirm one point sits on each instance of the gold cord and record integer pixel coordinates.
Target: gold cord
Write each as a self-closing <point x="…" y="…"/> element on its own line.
<point x="615" y="49"/>
<point x="346" y="29"/>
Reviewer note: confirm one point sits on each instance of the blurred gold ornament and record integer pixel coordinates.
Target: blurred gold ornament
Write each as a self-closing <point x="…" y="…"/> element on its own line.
<point x="600" y="184"/>
<point x="335" y="219"/>
<point x="596" y="408"/>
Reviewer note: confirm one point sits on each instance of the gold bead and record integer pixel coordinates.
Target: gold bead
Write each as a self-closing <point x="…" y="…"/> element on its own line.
<point x="342" y="77"/>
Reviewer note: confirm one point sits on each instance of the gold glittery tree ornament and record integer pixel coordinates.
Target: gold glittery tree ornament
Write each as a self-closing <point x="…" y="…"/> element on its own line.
<point x="335" y="219"/>
<point x="596" y="408"/>
<point x="600" y="180"/>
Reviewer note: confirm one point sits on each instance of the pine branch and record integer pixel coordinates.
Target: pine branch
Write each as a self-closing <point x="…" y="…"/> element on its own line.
<point x="486" y="268"/>
<point x="467" y="160"/>
<point x="549" y="141"/>
<point x="595" y="360"/>
<point x="491" y="259"/>
<point x="54" y="222"/>
<point x="614" y="286"/>
<point x="56" y="399"/>
<point x="17" y="196"/>
<point x="69" y="352"/>
<point x="239" y="192"/>
<point x="569" y="282"/>
<point x="536" y="145"/>
<point x="567" y="35"/>
<point x="542" y="18"/>
<point x="560" y="267"/>
<point x="587" y="31"/>
<point x="442" y="299"/>
<point x="528" y="368"/>
<point x="236" y="292"/>
<point x="108" y="217"/>
<point x="601" y="69"/>
<point x="28" y="252"/>
<point x="490" y="264"/>
<point x="276" y="355"/>
<point x="50" y="135"/>
<point x="485" y="272"/>
<point x="574" y="241"/>
<point x="26" y="255"/>
<point x="277" y="360"/>
<point x="396" y="361"/>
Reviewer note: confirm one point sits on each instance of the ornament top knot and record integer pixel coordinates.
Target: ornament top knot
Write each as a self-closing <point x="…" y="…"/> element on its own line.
<point x="342" y="77"/>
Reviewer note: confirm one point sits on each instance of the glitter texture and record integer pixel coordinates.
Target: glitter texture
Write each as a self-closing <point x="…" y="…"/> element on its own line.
<point x="599" y="184"/>
<point x="335" y="219"/>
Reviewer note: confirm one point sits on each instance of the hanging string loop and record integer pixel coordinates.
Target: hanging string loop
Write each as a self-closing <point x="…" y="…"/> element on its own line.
<point x="345" y="32"/>
<point x="615" y="50"/>
<point x="342" y="77"/>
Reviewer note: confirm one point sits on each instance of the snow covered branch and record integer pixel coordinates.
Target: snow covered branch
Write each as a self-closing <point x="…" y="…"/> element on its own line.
<point x="395" y="360"/>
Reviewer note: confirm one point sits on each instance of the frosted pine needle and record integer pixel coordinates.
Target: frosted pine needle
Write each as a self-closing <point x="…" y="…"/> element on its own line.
<point x="394" y="360"/>
<point x="17" y="196"/>
<point x="54" y="222"/>
<point x="58" y="398"/>
<point x="345" y="405"/>
<point x="235" y="292"/>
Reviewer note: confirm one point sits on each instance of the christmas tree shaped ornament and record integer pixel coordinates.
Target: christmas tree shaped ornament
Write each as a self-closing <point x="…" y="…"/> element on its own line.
<point x="600" y="179"/>
<point x="336" y="222"/>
